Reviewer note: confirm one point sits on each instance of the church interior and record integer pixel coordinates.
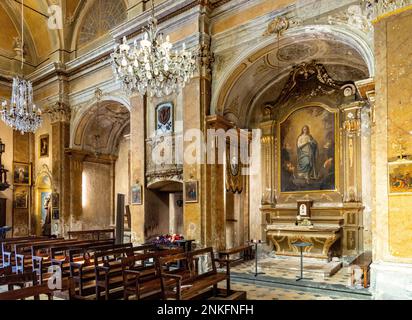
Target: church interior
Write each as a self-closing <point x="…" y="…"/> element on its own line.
<point x="214" y="149"/>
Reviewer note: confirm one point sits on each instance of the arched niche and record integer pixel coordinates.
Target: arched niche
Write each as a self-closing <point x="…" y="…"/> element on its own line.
<point x="43" y="189"/>
<point x="265" y="68"/>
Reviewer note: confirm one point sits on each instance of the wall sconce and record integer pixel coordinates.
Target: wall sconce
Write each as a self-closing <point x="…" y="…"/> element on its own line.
<point x="3" y="172"/>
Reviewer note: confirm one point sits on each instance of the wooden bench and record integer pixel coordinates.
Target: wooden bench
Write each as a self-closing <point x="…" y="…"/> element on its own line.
<point x="109" y="270"/>
<point x="82" y="268"/>
<point x="10" y="249"/>
<point x="364" y="262"/>
<point x="243" y="253"/>
<point x="99" y="234"/>
<point x="43" y="255"/>
<point x="19" y="280"/>
<point x="7" y="243"/>
<point x="142" y="278"/>
<point x="191" y="286"/>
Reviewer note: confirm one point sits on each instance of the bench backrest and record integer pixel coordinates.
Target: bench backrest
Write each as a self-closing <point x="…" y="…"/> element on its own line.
<point x="16" y="279"/>
<point x="99" y="234"/>
<point x="105" y="256"/>
<point x="89" y="252"/>
<point x="85" y="244"/>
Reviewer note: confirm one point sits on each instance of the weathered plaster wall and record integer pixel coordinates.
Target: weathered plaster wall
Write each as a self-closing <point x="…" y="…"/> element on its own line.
<point x="392" y="226"/>
<point x="97" y="196"/>
<point x="122" y="170"/>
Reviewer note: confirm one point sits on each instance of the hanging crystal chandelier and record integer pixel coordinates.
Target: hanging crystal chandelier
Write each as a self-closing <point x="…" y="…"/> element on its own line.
<point x="21" y="114"/>
<point x="151" y="67"/>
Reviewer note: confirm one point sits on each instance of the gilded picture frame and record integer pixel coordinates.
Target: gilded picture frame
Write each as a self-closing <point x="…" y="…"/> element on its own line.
<point x="44" y="146"/>
<point x="21" y="174"/>
<point x="335" y="162"/>
<point x="400" y="177"/>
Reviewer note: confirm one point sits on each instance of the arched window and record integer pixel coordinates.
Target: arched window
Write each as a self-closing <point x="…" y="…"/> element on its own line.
<point x="101" y="17"/>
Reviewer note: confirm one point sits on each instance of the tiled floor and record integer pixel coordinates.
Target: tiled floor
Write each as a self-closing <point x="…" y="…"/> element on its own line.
<point x="263" y="292"/>
<point x="275" y="267"/>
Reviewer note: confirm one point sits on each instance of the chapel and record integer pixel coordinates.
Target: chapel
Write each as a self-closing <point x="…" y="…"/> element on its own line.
<point x="186" y="149"/>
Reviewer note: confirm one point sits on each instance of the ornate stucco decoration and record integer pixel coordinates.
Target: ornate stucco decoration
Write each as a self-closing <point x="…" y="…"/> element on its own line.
<point x="309" y="80"/>
<point x="59" y="112"/>
<point x="206" y="59"/>
<point x="281" y="24"/>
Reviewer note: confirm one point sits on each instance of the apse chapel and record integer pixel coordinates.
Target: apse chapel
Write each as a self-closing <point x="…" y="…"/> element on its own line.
<point x="273" y="134"/>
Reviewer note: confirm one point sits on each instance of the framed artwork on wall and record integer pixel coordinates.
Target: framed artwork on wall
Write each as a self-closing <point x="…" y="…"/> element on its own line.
<point x="55" y="200"/>
<point x="136" y="194"/>
<point x="308" y="156"/>
<point x="164" y="118"/>
<point x="400" y="177"/>
<point x="21" y="173"/>
<point x="44" y="146"/>
<point x="191" y="191"/>
<point x="21" y="199"/>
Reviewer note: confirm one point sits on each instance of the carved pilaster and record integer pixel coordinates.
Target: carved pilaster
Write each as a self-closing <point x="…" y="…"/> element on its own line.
<point x="351" y="134"/>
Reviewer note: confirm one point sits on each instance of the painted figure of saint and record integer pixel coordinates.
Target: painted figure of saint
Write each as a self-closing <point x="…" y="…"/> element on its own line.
<point x="307" y="151"/>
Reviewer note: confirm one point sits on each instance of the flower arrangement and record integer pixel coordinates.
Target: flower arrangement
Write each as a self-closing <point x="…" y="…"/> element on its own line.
<point x="168" y="239"/>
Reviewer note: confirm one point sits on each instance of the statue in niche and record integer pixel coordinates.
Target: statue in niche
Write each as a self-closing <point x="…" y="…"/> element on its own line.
<point x="47" y="223"/>
<point x="307" y="151"/>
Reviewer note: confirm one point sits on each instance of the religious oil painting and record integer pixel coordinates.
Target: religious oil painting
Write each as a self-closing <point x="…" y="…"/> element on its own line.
<point x="21" y="173"/>
<point x="400" y="177"/>
<point x="44" y="145"/>
<point x="136" y="194"/>
<point x="164" y="118"/>
<point x="21" y="199"/>
<point x="191" y="192"/>
<point x="307" y="150"/>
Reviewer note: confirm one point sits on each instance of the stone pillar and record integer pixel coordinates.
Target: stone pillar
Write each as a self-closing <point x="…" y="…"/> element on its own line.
<point x="215" y="186"/>
<point x="137" y="163"/>
<point x="76" y="181"/>
<point x="392" y="246"/>
<point x="60" y="115"/>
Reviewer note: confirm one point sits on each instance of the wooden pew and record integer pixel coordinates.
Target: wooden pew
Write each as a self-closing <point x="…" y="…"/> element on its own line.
<point x="99" y="234"/>
<point x="19" y="280"/>
<point x="59" y="255"/>
<point x="192" y="286"/>
<point x="108" y="267"/>
<point x="6" y="245"/>
<point x="8" y="248"/>
<point x="43" y="254"/>
<point x="141" y="279"/>
<point x="82" y="268"/>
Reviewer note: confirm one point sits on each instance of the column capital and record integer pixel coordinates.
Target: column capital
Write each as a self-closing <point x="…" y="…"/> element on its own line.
<point x="59" y="112"/>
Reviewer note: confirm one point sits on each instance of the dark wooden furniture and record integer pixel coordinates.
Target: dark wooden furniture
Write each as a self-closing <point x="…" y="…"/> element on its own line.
<point x="109" y="270"/>
<point x="99" y="234"/>
<point x="82" y="269"/>
<point x="6" y="243"/>
<point x="190" y="286"/>
<point x="141" y="277"/>
<point x="364" y="262"/>
<point x="19" y="280"/>
<point x="237" y="254"/>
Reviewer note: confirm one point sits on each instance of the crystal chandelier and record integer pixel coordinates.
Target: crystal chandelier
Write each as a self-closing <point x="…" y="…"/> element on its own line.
<point x="151" y="67"/>
<point x="22" y="114"/>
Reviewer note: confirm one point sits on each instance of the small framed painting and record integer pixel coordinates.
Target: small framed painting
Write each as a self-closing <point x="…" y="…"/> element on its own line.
<point x="21" y="199"/>
<point x="136" y="195"/>
<point x="56" y="214"/>
<point x="44" y="146"/>
<point x="55" y="200"/>
<point x="304" y="208"/>
<point x="400" y="177"/>
<point x="21" y="173"/>
<point x="191" y="191"/>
